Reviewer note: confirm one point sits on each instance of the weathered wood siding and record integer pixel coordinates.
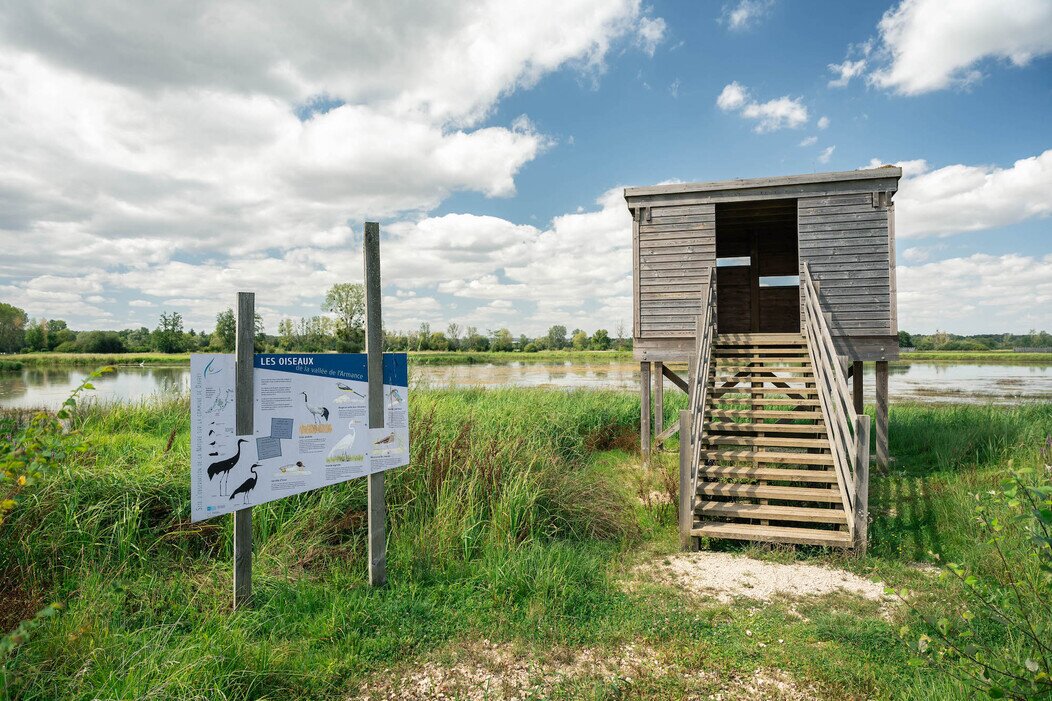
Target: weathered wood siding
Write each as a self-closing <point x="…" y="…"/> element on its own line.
<point x="845" y="241"/>
<point x="676" y="248"/>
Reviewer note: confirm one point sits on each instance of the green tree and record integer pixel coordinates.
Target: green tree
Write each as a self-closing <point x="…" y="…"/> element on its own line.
<point x="503" y="341"/>
<point x="347" y="301"/>
<point x="905" y="340"/>
<point x="58" y="333"/>
<point x="168" y="337"/>
<point x="557" y="337"/>
<point x="225" y="335"/>
<point x="13" y="322"/>
<point x="438" y="341"/>
<point x="579" y="339"/>
<point x="601" y="340"/>
<point x="453" y="335"/>
<point x="99" y="342"/>
<point x="35" y="338"/>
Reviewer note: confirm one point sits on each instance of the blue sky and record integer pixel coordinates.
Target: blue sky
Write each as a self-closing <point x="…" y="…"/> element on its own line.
<point x="164" y="158"/>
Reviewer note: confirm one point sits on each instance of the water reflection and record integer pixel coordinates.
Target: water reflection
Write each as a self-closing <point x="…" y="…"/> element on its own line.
<point x="925" y="382"/>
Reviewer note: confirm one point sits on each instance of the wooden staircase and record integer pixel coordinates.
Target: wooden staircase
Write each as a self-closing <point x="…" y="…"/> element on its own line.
<point x="766" y="469"/>
<point x="771" y="447"/>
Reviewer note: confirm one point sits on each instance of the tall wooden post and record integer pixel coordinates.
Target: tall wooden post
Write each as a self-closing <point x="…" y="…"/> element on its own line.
<point x="882" y="414"/>
<point x="856" y="385"/>
<point x="244" y="350"/>
<point x="659" y="400"/>
<point x="644" y="410"/>
<point x="374" y="351"/>
<point x="686" y="518"/>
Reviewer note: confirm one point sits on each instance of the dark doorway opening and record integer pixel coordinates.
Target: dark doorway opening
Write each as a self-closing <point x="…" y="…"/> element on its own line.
<point x="757" y="267"/>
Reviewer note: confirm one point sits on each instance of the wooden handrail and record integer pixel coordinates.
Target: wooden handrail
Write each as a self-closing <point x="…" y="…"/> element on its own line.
<point x="705" y="333"/>
<point x="848" y="431"/>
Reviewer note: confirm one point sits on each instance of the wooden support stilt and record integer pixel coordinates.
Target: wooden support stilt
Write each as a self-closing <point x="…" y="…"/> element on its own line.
<point x="644" y="410"/>
<point x="856" y="385"/>
<point x="659" y="401"/>
<point x="882" y="414"/>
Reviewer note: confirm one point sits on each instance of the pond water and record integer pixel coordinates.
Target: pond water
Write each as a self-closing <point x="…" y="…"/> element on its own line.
<point x="985" y="383"/>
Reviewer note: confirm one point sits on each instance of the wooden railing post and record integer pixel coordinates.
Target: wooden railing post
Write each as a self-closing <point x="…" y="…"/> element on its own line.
<point x="861" y="514"/>
<point x="686" y="480"/>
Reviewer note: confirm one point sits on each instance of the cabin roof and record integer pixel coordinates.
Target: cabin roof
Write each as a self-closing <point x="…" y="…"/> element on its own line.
<point x="881" y="173"/>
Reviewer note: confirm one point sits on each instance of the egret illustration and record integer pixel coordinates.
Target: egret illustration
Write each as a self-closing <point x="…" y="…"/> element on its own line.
<point x="344" y="445"/>
<point x="248" y="485"/>
<point x="316" y="411"/>
<point x="223" y="467"/>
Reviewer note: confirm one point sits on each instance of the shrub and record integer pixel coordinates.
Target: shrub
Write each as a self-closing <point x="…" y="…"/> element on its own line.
<point x="995" y="629"/>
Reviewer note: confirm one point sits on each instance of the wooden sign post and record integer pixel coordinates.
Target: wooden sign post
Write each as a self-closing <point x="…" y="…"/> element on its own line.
<point x="374" y="349"/>
<point x="244" y="409"/>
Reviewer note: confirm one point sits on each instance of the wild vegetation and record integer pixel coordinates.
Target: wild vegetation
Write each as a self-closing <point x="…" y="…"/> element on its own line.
<point x="520" y="522"/>
<point x="340" y="328"/>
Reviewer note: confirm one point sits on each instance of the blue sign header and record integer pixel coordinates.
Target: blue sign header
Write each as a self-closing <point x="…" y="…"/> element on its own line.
<point x="344" y="366"/>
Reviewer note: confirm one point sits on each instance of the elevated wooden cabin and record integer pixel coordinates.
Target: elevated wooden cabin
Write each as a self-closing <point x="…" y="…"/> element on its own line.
<point x="758" y="233"/>
<point x="786" y="285"/>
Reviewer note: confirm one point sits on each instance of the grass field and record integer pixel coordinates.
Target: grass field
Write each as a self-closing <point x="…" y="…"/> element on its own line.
<point x="100" y="359"/>
<point x="993" y="356"/>
<point x="518" y="527"/>
<point x="14" y="362"/>
<point x="422" y="358"/>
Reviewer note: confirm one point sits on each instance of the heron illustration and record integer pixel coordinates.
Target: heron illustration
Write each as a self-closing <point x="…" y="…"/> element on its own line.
<point x="248" y="485"/>
<point x="223" y="467"/>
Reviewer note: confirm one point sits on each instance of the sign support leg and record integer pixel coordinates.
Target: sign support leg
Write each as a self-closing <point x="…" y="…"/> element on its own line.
<point x="374" y="351"/>
<point x="244" y="350"/>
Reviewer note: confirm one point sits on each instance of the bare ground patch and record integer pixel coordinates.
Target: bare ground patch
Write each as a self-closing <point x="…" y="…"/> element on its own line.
<point x="727" y="577"/>
<point x="486" y="671"/>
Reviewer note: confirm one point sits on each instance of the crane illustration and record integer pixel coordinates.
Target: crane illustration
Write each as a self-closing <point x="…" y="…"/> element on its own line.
<point x="223" y="467"/>
<point x="316" y="411"/>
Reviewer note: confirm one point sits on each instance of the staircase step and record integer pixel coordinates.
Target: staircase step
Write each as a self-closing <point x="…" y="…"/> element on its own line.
<point x="803" y="514"/>
<point x="761" y="339"/>
<point x="793" y="381"/>
<point x="789" y="442"/>
<point x="792" y="354"/>
<point x="809" y="391"/>
<point x="773" y="474"/>
<point x="766" y="491"/>
<point x="797" y="370"/>
<point x="762" y="402"/>
<point x="772" y="534"/>
<point x="763" y="428"/>
<point x="767" y="457"/>
<point x="746" y="356"/>
<point x="763" y="414"/>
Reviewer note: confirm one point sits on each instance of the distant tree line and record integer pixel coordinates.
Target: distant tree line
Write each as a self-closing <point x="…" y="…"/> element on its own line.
<point x="944" y="341"/>
<point x="341" y="330"/>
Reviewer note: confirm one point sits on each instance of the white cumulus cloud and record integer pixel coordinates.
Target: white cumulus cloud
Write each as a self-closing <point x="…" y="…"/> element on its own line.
<point x="779" y="113"/>
<point x="958" y="198"/>
<point x="931" y="45"/>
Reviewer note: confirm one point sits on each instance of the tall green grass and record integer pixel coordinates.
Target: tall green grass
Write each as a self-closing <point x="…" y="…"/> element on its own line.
<point x="519" y="511"/>
<point x="498" y="517"/>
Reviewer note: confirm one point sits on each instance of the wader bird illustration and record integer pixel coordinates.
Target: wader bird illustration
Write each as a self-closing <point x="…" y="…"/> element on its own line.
<point x="248" y="485"/>
<point x="223" y="467"/>
<point x="316" y="411"/>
